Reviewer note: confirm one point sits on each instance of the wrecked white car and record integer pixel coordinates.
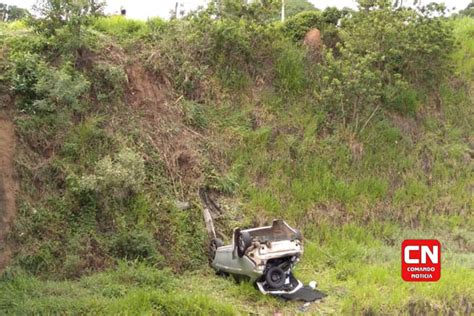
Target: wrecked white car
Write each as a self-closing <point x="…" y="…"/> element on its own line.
<point x="264" y="255"/>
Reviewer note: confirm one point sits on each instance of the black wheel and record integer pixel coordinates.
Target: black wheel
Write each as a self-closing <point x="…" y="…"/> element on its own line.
<point x="215" y="243"/>
<point x="275" y="277"/>
<point x="244" y="241"/>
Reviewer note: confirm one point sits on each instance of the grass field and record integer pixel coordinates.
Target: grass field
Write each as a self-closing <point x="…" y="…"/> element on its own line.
<point x="122" y="247"/>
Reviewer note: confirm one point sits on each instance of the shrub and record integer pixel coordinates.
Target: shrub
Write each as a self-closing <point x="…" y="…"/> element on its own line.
<point x="401" y="97"/>
<point x="53" y="15"/>
<point x="296" y="26"/>
<point x="134" y="245"/>
<point x="195" y="114"/>
<point x="156" y="27"/>
<point x="116" y="178"/>
<point x="87" y="142"/>
<point x="377" y="64"/>
<point x="60" y="88"/>
<point x="347" y="86"/>
<point x="43" y="89"/>
<point x="191" y="52"/>
<point x="63" y="24"/>
<point x="108" y="81"/>
<point x="419" y="53"/>
<point x="26" y="70"/>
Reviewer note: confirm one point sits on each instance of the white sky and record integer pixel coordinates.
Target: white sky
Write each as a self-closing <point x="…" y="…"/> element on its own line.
<point x="143" y="9"/>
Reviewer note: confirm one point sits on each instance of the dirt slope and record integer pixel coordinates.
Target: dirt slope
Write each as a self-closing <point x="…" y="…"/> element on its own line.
<point x="8" y="185"/>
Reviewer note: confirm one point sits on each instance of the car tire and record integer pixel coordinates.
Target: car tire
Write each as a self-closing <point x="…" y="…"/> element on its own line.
<point x="214" y="244"/>
<point x="244" y="241"/>
<point x="275" y="277"/>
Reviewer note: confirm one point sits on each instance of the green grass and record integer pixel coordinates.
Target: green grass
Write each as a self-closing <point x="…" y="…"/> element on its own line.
<point x="358" y="267"/>
<point x="464" y="56"/>
<point x="128" y="290"/>
<point x="120" y="26"/>
<point x="272" y="151"/>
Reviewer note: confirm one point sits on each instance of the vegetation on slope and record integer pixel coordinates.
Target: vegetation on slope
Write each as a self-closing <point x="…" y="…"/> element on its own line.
<point x="361" y="145"/>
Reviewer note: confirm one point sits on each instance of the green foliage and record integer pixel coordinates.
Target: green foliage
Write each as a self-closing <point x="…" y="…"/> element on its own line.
<point x="297" y="26"/>
<point x="108" y="82"/>
<point x="135" y="245"/>
<point x="24" y="76"/>
<point x="61" y="88"/>
<point x="290" y="70"/>
<point x="311" y="138"/>
<point x="42" y="89"/>
<point x="227" y="47"/>
<point x="347" y="86"/>
<point x="63" y="24"/>
<point x="120" y="27"/>
<point x="464" y="55"/>
<point x="293" y="7"/>
<point x="469" y="10"/>
<point x="419" y="53"/>
<point x="195" y="114"/>
<point x="128" y="289"/>
<point x="116" y="178"/>
<point x="259" y="11"/>
<point x="87" y="142"/>
<point x="401" y="98"/>
<point x="370" y="70"/>
<point x="10" y="13"/>
<point x="56" y="14"/>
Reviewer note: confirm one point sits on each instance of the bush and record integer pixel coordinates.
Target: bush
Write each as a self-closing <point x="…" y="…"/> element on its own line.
<point x="26" y="70"/>
<point x="420" y="53"/>
<point x="61" y="88"/>
<point x="116" y="178"/>
<point x="193" y="51"/>
<point x="108" y="82"/>
<point x="347" y="86"/>
<point x="156" y="27"/>
<point x="135" y="245"/>
<point x="195" y="114"/>
<point x="401" y="97"/>
<point x="297" y="26"/>
<point x="42" y="89"/>
<point x="377" y="64"/>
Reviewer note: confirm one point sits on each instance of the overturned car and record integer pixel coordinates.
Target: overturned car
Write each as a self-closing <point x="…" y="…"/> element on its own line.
<point x="264" y="255"/>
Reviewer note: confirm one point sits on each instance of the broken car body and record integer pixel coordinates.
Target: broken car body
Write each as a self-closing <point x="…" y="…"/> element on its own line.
<point x="264" y="255"/>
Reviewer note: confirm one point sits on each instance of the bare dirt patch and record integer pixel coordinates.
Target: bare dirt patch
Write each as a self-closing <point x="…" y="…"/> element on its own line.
<point x="8" y="185"/>
<point x="162" y="122"/>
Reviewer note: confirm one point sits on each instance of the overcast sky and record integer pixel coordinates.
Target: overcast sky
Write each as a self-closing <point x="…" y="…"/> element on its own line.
<point x="143" y="9"/>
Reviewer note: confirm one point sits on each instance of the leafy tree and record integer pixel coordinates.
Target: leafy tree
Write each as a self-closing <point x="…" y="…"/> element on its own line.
<point x="293" y="7"/>
<point x="469" y="10"/>
<point x="54" y="14"/>
<point x="9" y="13"/>
<point x="239" y="9"/>
<point x="385" y="53"/>
<point x="296" y="26"/>
<point x="64" y="23"/>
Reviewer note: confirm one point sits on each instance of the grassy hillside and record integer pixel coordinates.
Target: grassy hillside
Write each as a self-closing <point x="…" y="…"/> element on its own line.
<point x="362" y="144"/>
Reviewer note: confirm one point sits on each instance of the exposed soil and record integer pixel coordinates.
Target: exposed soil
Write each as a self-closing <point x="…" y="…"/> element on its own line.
<point x="162" y="119"/>
<point x="8" y="185"/>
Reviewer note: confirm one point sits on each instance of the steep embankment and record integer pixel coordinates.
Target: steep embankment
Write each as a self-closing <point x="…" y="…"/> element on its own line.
<point x="355" y="150"/>
<point x="8" y="185"/>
